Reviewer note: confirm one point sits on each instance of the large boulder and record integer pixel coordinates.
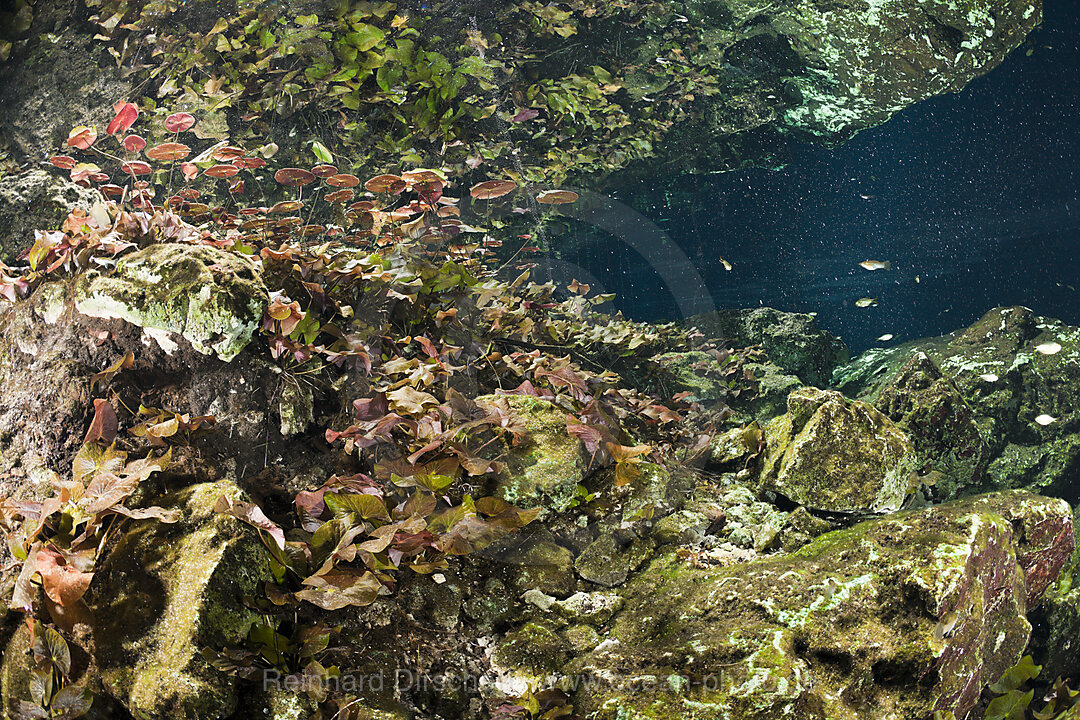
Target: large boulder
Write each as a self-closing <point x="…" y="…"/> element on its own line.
<point x="547" y="470"/>
<point x="163" y="594"/>
<point x="1008" y="368"/>
<point x="831" y="453"/>
<point x="213" y="298"/>
<point x="895" y="617"/>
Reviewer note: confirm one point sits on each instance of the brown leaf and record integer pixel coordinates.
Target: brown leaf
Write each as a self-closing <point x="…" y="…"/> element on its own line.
<point x="252" y="515"/>
<point x="106" y="375"/>
<point x="64" y="584"/>
<point x="104" y="425"/>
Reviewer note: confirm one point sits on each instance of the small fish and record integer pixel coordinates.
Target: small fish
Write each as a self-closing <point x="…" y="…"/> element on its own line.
<point x="945" y="625"/>
<point x="875" y="265"/>
<point x="866" y="302"/>
<point x="917" y="279"/>
<point x="1045" y="419"/>
<point x="886" y="337"/>
<point x="1050" y="348"/>
<point x="726" y="264"/>
<point x="681" y="18"/>
<point x="866" y="197"/>
<point x="988" y="377"/>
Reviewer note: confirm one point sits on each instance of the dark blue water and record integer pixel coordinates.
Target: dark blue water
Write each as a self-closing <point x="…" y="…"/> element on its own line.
<point x="974" y="193"/>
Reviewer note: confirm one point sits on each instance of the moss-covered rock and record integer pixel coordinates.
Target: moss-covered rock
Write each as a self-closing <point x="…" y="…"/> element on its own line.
<point x="165" y="592"/>
<point x="929" y="407"/>
<point x="894" y="617"/>
<point x="830" y="453"/>
<point x="791" y="341"/>
<point x="1001" y="374"/>
<point x="36" y="200"/>
<point x="211" y="297"/>
<point x="546" y="470"/>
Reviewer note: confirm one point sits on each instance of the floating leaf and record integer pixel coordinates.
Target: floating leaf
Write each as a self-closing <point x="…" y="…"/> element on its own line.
<point x="556" y="197"/>
<point x="343" y="180"/>
<point x="342" y="195"/>
<point x="136" y="167"/>
<point x="126" y="115"/>
<point x="249" y="163"/>
<point x="168" y="152"/>
<point x="286" y="206"/>
<point x="221" y="171"/>
<point x="294" y="177"/>
<point x="490" y="189"/>
<point x="226" y="153"/>
<point x="62" y="161"/>
<point x="133" y="143"/>
<point x="179" y="122"/>
<point x="386" y="184"/>
<point x="189" y="170"/>
<point x="81" y="137"/>
<point x="64" y="584"/>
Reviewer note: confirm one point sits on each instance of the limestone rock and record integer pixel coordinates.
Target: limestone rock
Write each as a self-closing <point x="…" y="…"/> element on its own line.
<point x="36" y="200"/>
<point x="163" y="593"/>
<point x="929" y="407"/>
<point x="547" y="470"/>
<point x="211" y="297"/>
<point x="894" y="617"/>
<point x="830" y="453"/>
<point x="1007" y="382"/>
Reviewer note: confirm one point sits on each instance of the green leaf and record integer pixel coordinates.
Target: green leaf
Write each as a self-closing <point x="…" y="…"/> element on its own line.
<point x="366" y="506"/>
<point x="365" y="37"/>
<point x="1010" y="706"/>
<point x="321" y="151"/>
<point x="1016" y="676"/>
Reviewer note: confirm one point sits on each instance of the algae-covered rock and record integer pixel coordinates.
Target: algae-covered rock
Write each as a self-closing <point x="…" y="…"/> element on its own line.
<point x="548" y="468"/>
<point x="164" y="593"/>
<point x="830" y="453"/>
<point x="1008" y="369"/>
<point x="791" y="341"/>
<point x="892" y="618"/>
<point x="929" y="407"/>
<point x="209" y="296"/>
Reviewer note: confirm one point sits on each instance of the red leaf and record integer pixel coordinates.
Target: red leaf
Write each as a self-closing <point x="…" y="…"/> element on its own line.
<point x="253" y="515"/>
<point x="525" y="114"/>
<point x="179" y="122"/>
<point x="126" y="115"/>
<point x="104" y="425"/>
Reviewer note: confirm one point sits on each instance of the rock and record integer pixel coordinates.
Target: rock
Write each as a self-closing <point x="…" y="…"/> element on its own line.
<point x="800" y="528"/>
<point x="547" y="470"/>
<point x="1007" y="383"/>
<point x="830" y="453"/>
<point x="594" y="608"/>
<point x="64" y="78"/>
<point x="36" y="200"/>
<point x="213" y="297"/>
<point x="791" y="341"/>
<point x="538" y="563"/>
<point x="930" y="409"/>
<point x="894" y="617"/>
<point x="534" y="648"/>
<point x="682" y="528"/>
<point x="607" y="562"/>
<point x="1057" y="642"/>
<point x="730" y="450"/>
<point x="166" y="591"/>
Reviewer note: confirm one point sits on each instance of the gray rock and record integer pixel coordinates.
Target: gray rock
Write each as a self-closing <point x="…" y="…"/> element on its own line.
<point x="36" y="200"/>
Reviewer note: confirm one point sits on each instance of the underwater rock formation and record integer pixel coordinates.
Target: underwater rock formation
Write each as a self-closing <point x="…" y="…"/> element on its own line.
<point x="1002" y="371"/>
<point x="35" y="200"/>
<point x="829" y="453"/>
